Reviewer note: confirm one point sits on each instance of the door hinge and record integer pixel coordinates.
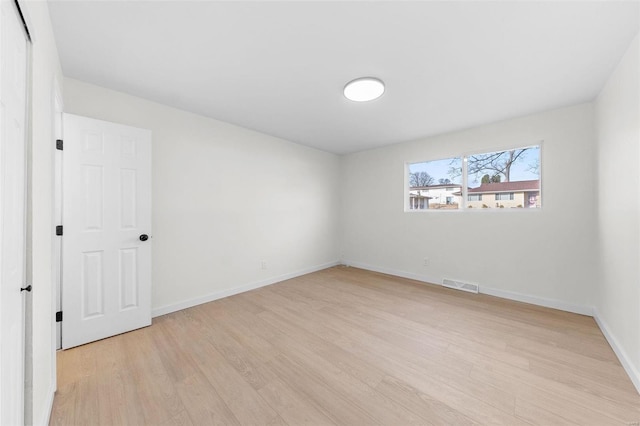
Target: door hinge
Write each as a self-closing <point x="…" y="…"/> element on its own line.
<point x="59" y="230"/>
<point x="59" y="144"/>
<point x="59" y="316"/>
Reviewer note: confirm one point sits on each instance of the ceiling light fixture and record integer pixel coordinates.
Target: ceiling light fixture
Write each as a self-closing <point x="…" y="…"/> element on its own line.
<point x="364" y="89"/>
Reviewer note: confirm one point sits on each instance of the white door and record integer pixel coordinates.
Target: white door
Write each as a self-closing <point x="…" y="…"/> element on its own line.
<point x="13" y="108"/>
<point x="106" y="245"/>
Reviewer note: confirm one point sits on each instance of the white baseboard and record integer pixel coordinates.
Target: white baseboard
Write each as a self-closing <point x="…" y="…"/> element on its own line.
<point x="519" y="297"/>
<point x="167" y="309"/>
<point x="622" y="355"/>
<point x="46" y="415"/>
<point x="539" y="301"/>
<point x="403" y="274"/>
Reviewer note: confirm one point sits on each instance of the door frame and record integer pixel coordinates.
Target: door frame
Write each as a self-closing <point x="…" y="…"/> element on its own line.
<point x="25" y="384"/>
<point x="58" y="134"/>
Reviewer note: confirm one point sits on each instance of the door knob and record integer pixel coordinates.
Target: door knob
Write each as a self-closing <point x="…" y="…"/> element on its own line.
<point x="27" y="288"/>
<point x="144" y="237"/>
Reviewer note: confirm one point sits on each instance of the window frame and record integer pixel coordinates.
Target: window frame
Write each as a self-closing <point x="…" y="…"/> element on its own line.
<point x="464" y="207"/>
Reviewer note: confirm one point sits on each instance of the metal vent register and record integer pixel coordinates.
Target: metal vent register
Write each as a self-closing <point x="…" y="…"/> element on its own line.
<point x="460" y="285"/>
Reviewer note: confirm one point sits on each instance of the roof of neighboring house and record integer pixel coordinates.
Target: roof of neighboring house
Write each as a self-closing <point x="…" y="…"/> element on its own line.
<point x="523" y="185"/>
<point x="450" y="185"/>
<point x="416" y="194"/>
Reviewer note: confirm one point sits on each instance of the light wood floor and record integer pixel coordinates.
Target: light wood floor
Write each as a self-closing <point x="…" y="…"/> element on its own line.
<point x="346" y="346"/>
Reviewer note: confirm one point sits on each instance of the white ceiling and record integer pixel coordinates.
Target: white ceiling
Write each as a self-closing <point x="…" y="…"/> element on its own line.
<point x="280" y="67"/>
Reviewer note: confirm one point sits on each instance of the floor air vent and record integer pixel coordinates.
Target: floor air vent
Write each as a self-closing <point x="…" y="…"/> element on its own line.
<point x="459" y="285"/>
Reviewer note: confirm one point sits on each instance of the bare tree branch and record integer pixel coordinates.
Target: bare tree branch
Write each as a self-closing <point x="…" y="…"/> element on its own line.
<point x="419" y="179"/>
<point x="499" y="163"/>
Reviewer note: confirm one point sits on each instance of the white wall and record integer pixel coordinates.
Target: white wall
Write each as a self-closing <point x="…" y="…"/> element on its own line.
<point x="618" y="138"/>
<point x="545" y="256"/>
<point x="45" y="71"/>
<point x="224" y="199"/>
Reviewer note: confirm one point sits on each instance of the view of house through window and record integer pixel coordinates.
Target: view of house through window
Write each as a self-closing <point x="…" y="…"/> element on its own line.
<point x="432" y="185"/>
<point x="504" y="179"/>
<point x="507" y="179"/>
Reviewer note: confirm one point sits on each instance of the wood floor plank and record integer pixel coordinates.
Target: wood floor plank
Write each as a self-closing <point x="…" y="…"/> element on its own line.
<point x="203" y="404"/>
<point x="249" y="364"/>
<point x="431" y="379"/>
<point x="345" y="346"/>
<point x="118" y="401"/>
<point x="619" y="391"/>
<point x="366" y="372"/>
<point x="424" y="405"/>
<point x="293" y="407"/>
<point x="180" y="419"/>
<point x="539" y="415"/>
<point x="154" y="387"/>
<point x="525" y="385"/>
<point x="383" y="409"/>
<point x="243" y="400"/>
<point x="327" y="398"/>
<point x="64" y="411"/>
<point x="569" y="359"/>
<point x="358" y="339"/>
<point x="168" y="340"/>
<point x="76" y="364"/>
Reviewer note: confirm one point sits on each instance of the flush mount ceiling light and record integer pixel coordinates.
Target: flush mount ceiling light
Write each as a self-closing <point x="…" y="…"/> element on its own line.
<point x="364" y="89"/>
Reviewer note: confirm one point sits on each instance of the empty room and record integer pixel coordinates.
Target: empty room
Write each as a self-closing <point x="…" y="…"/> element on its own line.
<point x="320" y="213"/>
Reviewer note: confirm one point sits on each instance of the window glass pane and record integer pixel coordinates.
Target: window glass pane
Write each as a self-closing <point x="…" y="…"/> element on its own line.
<point x="504" y="196"/>
<point x="435" y="185"/>
<point x="504" y="179"/>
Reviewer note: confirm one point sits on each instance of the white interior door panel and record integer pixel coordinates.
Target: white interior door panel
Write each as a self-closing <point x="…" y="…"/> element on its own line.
<point x="106" y="266"/>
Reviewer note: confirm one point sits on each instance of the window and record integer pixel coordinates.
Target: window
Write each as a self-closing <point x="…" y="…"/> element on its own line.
<point x="499" y="179"/>
<point x="504" y="196"/>
<point x="510" y="177"/>
<point x="435" y="185"/>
